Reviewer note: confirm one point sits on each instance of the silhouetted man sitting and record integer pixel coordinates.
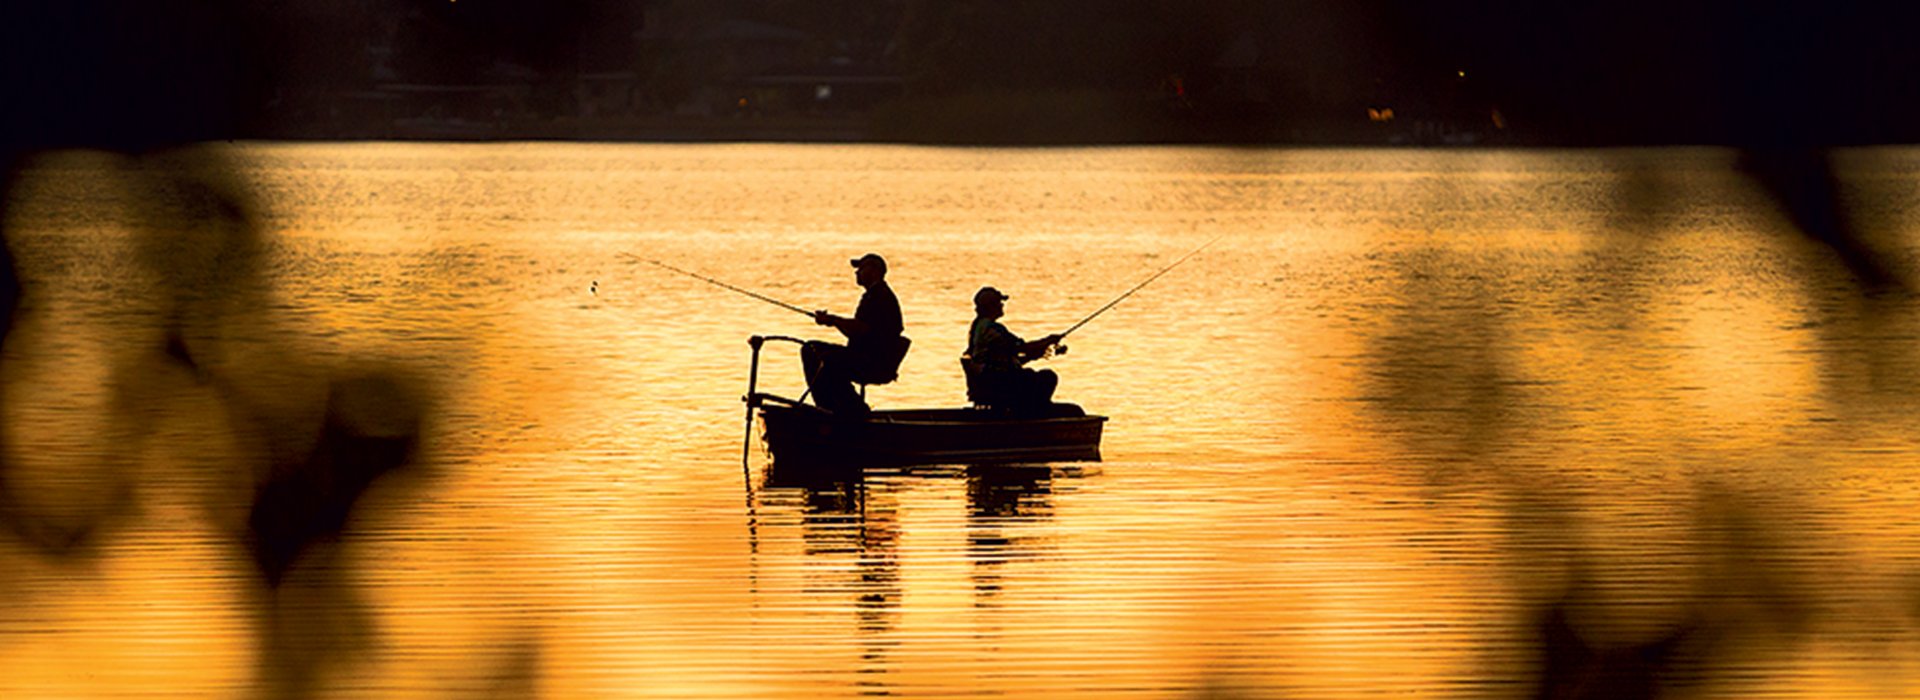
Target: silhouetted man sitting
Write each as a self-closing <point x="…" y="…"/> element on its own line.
<point x="994" y="357"/>
<point x="874" y="345"/>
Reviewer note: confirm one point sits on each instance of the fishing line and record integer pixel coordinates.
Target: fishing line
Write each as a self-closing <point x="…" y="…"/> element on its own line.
<point x="1137" y="287"/>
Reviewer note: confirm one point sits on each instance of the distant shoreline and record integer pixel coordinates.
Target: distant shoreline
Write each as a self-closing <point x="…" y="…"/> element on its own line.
<point x="929" y="127"/>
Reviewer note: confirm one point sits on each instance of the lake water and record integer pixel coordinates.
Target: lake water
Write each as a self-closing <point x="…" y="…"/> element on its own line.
<point x="1470" y="424"/>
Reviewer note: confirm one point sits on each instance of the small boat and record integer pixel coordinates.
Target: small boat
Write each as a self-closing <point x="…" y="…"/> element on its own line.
<point x="802" y="432"/>
<point x="799" y="432"/>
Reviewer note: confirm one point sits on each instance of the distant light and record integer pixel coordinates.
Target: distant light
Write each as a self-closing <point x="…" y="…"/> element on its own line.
<point x="823" y="92"/>
<point x="743" y="102"/>
<point x="1462" y="73"/>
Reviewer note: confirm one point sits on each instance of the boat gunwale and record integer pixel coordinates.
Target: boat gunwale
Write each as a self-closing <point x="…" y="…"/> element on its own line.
<point x="896" y="417"/>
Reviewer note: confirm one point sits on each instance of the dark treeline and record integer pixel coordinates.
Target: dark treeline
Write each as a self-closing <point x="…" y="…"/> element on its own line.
<point x="1636" y="71"/>
<point x="1646" y="71"/>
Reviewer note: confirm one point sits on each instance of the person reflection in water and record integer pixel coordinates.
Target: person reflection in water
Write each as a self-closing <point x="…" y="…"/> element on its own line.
<point x="874" y="344"/>
<point x="994" y="359"/>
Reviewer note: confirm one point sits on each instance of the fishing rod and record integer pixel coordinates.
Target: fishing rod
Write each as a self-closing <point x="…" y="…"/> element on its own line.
<point x="723" y="285"/>
<point x="1156" y="275"/>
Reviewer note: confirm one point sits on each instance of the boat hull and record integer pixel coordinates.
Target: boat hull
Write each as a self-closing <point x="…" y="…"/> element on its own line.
<point x="803" y="433"/>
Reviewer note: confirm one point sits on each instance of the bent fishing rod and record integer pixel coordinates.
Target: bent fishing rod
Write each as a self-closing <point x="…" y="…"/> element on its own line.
<point x="722" y="285"/>
<point x="1137" y="287"/>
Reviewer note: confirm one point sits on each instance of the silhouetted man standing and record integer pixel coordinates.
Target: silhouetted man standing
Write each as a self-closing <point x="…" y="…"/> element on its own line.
<point x="874" y="345"/>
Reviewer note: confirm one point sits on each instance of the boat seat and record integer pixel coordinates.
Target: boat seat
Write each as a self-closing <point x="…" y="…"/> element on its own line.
<point x="886" y="367"/>
<point x="978" y="393"/>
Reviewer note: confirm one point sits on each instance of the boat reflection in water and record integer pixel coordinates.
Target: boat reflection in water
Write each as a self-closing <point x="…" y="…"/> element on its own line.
<point x="797" y="432"/>
<point x="852" y="526"/>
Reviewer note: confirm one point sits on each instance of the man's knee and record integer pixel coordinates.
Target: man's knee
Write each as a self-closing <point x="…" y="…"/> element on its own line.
<point x="817" y="356"/>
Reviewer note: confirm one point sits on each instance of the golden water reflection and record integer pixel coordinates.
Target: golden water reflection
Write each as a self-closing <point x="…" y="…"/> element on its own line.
<point x="1453" y="424"/>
